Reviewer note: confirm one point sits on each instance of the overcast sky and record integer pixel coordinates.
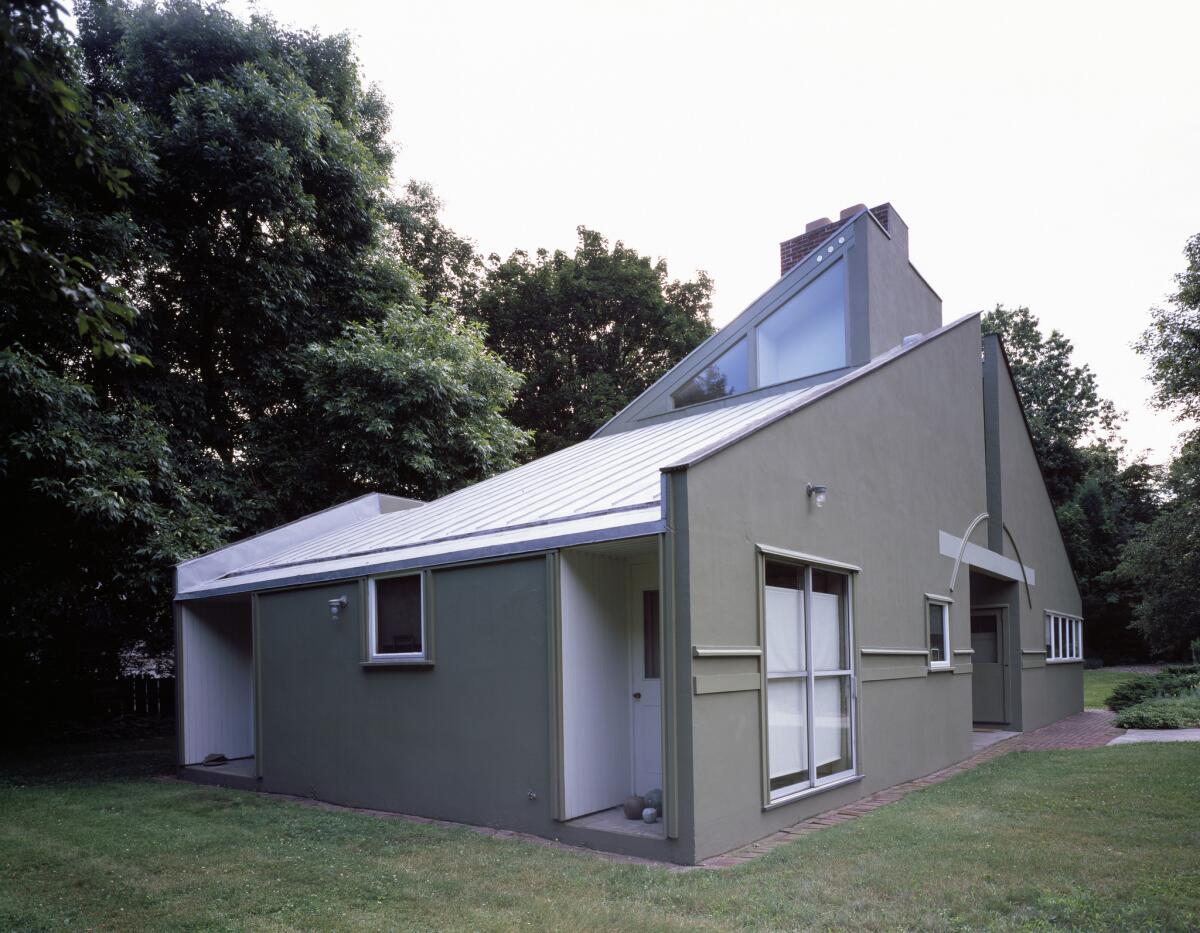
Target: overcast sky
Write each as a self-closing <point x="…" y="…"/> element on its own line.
<point x="1043" y="154"/>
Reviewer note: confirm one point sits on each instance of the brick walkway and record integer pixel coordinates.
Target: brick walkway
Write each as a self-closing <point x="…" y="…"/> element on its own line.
<point x="1089" y="729"/>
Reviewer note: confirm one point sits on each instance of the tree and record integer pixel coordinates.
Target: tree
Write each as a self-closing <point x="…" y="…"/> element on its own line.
<point x="97" y="514"/>
<point x="1163" y="563"/>
<point x="589" y="331"/>
<point x="1172" y="342"/>
<point x="410" y="404"/>
<point x="1100" y="503"/>
<point x="1064" y="408"/>
<point x="204" y="329"/>
<point x="447" y="263"/>
<point x="266" y="227"/>
<point x="62" y="171"/>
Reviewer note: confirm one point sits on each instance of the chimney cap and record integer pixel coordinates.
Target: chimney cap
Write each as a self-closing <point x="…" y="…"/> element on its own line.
<point x="817" y="224"/>
<point x="850" y="211"/>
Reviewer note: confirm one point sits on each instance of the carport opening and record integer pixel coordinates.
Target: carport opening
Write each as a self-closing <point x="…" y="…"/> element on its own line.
<point x="611" y="677"/>
<point x="216" y="667"/>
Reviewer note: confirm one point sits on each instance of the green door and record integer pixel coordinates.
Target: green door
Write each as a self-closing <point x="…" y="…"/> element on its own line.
<point x="987" y="682"/>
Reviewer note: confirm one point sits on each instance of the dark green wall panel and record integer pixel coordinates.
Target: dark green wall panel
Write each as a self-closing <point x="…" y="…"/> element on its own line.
<point x="463" y="740"/>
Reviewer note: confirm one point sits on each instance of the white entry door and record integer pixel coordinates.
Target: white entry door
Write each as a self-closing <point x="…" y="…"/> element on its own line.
<point x="646" y="650"/>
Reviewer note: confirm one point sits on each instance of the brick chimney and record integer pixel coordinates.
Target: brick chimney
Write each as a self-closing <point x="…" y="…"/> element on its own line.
<point x="796" y="249"/>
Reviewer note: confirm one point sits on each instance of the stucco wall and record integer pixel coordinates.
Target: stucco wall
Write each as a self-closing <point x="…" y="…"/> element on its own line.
<point x="902" y="454"/>
<point x="466" y="740"/>
<point x="900" y="301"/>
<point x="1049" y="692"/>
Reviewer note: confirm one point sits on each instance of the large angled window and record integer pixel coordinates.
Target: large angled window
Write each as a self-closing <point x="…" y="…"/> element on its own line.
<point x="807" y="334"/>
<point x="728" y="374"/>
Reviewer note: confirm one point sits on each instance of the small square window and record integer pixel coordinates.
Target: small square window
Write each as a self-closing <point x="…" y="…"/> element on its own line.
<point x="397" y="624"/>
<point x="939" y="634"/>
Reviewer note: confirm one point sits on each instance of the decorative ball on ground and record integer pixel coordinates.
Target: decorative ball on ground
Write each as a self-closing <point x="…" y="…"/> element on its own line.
<point x="633" y="806"/>
<point x="654" y="799"/>
<point x="650" y="815"/>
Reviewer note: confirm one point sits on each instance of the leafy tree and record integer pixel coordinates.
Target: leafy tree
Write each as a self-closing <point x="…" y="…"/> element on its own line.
<point x="1163" y="564"/>
<point x="98" y="514"/>
<point x="1064" y="408"/>
<point x="266" y="226"/>
<point x="62" y="168"/>
<point x="409" y="404"/>
<point x="447" y="263"/>
<point x="259" y="221"/>
<point x="1100" y="504"/>
<point x="1172" y="341"/>
<point x="589" y="331"/>
<point x="208" y="199"/>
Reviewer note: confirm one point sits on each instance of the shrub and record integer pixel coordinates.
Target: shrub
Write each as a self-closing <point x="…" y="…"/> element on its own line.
<point x="1172" y="682"/>
<point x="1182" y="712"/>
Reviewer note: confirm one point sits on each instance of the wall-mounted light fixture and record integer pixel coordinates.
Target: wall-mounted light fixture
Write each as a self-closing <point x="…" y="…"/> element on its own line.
<point x="335" y="608"/>
<point x="817" y="494"/>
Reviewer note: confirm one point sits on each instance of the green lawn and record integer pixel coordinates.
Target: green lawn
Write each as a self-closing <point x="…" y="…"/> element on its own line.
<point x="1107" y="838"/>
<point x="1098" y="684"/>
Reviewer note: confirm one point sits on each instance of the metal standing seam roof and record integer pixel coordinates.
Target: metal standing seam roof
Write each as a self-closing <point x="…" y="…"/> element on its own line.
<point x="608" y="486"/>
<point x="603" y="476"/>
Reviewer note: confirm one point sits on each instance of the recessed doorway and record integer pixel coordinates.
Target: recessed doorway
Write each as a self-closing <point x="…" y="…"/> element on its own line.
<point x="989" y="670"/>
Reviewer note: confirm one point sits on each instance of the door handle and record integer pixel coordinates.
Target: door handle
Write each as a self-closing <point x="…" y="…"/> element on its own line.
<point x="637" y="696"/>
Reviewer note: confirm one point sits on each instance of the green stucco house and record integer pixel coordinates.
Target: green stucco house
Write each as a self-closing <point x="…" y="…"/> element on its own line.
<point x="805" y="565"/>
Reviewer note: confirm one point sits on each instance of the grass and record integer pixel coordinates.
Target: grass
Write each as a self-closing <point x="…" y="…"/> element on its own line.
<point x="1098" y="684"/>
<point x="1101" y="839"/>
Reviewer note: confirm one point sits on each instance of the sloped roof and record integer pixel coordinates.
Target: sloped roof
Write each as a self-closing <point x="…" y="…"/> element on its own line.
<point x="603" y="488"/>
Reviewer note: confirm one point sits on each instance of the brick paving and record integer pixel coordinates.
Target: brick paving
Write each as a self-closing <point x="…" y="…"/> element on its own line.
<point x="1089" y="729"/>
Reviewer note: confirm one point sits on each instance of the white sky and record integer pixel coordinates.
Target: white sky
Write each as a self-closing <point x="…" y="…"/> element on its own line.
<point x="1043" y="153"/>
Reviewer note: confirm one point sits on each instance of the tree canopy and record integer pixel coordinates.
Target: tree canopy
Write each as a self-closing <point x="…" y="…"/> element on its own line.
<point x="1162" y="565"/>
<point x="1101" y="503"/>
<point x="207" y="325"/>
<point x="589" y="331"/>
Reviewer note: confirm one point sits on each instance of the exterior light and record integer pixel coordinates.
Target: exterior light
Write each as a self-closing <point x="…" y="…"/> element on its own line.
<point x="817" y="494"/>
<point x="335" y="608"/>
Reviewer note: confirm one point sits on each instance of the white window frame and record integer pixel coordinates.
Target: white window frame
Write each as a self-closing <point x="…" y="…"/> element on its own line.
<point x="814" y="784"/>
<point x="945" y="603"/>
<point x="373" y="622"/>
<point x="1064" y="637"/>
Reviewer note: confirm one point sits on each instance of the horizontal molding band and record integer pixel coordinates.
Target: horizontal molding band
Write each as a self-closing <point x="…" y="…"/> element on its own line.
<point x="1033" y="651"/>
<point x="725" y="683"/>
<point x="734" y="651"/>
<point x="899" y="652"/>
<point x="893" y="673"/>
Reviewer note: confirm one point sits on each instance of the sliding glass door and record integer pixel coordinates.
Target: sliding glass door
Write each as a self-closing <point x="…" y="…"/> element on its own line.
<point x="810" y="690"/>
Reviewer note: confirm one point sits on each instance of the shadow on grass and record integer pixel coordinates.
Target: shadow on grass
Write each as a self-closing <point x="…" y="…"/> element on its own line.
<point x="127" y="749"/>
